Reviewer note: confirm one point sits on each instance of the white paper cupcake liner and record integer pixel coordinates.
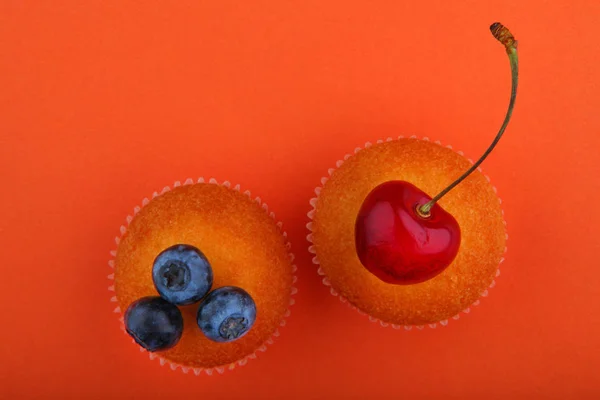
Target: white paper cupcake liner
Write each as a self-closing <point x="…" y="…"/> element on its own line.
<point x="326" y="281"/>
<point x="163" y="361"/>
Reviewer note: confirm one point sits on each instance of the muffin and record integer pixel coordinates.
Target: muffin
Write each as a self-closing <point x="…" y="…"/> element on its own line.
<point x="246" y="252"/>
<point x="430" y="167"/>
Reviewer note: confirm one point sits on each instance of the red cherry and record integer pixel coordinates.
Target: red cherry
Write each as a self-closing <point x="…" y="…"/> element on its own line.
<point x="397" y="243"/>
<point x="402" y="235"/>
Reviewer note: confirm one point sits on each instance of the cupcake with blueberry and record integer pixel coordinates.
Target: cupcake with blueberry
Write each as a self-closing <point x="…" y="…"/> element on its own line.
<point x="203" y="276"/>
<point x="408" y="231"/>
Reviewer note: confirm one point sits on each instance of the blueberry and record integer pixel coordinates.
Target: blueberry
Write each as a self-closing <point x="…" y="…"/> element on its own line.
<point x="154" y="323"/>
<point x="182" y="275"/>
<point x="226" y="314"/>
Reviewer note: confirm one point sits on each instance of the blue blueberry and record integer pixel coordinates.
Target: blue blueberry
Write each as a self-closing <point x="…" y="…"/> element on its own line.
<point x="226" y="314"/>
<point x="182" y="275"/>
<point x="154" y="323"/>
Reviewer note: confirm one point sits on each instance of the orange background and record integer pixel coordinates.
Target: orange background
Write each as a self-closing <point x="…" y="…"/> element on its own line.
<point x="101" y="103"/>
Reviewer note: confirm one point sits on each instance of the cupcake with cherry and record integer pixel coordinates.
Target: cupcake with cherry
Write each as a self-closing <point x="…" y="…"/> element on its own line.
<point x="408" y="231"/>
<point x="203" y="276"/>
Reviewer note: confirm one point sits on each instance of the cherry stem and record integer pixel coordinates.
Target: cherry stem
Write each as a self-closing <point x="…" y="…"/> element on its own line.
<point x="502" y="34"/>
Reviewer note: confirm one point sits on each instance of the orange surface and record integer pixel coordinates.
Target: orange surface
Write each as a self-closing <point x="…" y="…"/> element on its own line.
<point x="101" y="103"/>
